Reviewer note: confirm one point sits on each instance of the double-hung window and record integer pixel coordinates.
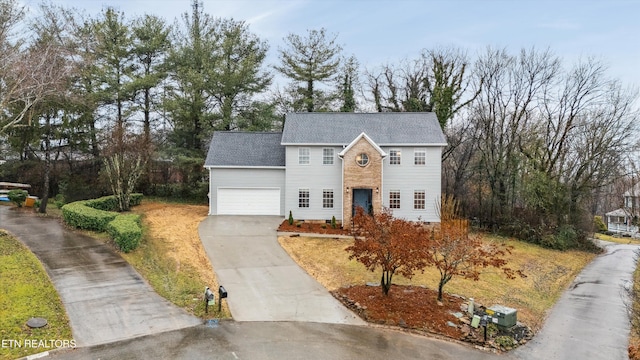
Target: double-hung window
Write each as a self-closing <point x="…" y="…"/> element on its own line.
<point x="394" y="199"/>
<point x="418" y="199"/>
<point x="394" y="157"/>
<point x="303" y="198"/>
<point x="327" y="198"/>
<point x="327" y="156"/>
<point x="303" y="156"/>
<point x="420" y="157"/>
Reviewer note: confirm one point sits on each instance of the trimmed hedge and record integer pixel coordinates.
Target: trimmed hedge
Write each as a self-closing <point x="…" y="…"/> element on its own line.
<point x="125" y="230"/>
<point x="79" y="215"/>
<point x="110" y="203"/>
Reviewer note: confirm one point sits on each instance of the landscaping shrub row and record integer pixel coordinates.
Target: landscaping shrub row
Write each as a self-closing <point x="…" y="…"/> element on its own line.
<point x="124" y="229"/>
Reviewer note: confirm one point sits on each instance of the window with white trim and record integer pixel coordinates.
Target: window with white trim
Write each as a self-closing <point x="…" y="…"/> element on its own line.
<point x="303" y="156"/>
<point x="420" y="157"/>
<point x="394" y="157"/>
<point x="394" y="199"/>
<point x="327" y="198"/>
<point x="419" y="200"/>
<point x="303" y="198"/>
<point x="327" y="156"/>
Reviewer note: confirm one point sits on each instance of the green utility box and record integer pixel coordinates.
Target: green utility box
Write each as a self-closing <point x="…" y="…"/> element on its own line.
<point x="503" y="316"/>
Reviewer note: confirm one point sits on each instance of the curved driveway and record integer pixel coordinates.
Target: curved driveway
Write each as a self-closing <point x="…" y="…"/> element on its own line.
<point x="263" y="282"/>
<point x="105" y="298"/>
<point x="590" y="321"/>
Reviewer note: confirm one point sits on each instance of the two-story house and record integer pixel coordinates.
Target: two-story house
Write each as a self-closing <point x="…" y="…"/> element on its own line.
<point x="625" y="219"/>
<point x="324" y="165"/>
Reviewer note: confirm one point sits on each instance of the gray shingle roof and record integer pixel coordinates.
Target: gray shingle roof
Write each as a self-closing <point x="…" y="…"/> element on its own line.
<point x="237" y="148"/>
<point x="342" y="128"/>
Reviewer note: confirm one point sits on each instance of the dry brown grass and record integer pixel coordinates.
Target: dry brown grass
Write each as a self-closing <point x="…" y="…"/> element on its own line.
<point x="171" y="256"/>
<point x="548" y="273"/>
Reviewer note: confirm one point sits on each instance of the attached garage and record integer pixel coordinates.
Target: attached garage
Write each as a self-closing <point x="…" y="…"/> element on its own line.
<point x="248" y="201"/>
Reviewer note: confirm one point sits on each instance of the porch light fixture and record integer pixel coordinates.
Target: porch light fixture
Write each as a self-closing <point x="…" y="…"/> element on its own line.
<point x="347" y="189"/>
<point x="377" y="190"/>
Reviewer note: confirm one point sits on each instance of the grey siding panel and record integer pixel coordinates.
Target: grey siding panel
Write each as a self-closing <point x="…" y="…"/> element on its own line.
<point x="408" y="177"/>
<point x="250" y="178"/>
<point x="314" y="177"/>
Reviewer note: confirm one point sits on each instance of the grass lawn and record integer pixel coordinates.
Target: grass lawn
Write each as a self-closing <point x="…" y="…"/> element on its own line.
<point x="171" y="257"/>
<point x="619" y="240"/>
<point x="25" y="292"/>
<point x="548" y="273"/>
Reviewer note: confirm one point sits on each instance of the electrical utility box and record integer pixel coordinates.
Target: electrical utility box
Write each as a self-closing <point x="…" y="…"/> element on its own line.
<point x="503" y="316"/>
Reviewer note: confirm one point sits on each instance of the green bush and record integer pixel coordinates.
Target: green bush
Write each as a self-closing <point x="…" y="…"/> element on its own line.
<point x="79" y="215"/>
<point x="333" y="222"/>
<point x="59" y="201"/>
<point x="18" y="197"/>
<point x="110" y="203"/>
<point x="125" y="230"/>
<point x="599" y="225"/>
<point x="290" y="218"/>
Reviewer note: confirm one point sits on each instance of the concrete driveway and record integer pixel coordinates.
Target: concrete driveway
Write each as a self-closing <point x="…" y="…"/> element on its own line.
<point x="105" y="298"/>
<point x="263" y="282"/>
<point x="590" y="321"/>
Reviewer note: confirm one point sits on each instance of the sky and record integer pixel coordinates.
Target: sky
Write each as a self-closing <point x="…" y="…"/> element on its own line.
<point x="385" y="31"/>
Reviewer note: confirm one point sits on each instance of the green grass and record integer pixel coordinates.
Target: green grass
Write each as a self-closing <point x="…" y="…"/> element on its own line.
<point x="619" y="240"/>
<point x="25" y="292"/>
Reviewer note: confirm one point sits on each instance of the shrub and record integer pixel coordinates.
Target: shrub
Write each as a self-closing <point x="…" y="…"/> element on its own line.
<point x="110" y="203"/>
<point x="78" y="214"/>
<point x="599" y="225"/>
<point x="18" y="197"/>
<point x="290" y="218"/>
<point x="59" y="201"/>
<point x="125" y="230"/>
<point x="333" y="222"/>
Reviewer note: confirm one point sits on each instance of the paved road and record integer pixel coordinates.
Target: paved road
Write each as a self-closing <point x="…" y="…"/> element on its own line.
<point x="281" y="341"/>
<point x="105" y="298"/>
<point x="263" y="282"/>
<point x="590" y="320"/>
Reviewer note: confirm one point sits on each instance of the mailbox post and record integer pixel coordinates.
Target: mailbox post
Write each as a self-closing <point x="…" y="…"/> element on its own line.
<point x="209" y="299"/>
<point x="222" y="294"/>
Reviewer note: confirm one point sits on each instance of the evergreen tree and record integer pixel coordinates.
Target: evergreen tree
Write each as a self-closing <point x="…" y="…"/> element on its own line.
<point x="310" y="60"/>
<point x="240" y="76"/>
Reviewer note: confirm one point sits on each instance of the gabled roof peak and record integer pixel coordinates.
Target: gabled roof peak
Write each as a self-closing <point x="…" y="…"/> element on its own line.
<point x="368" y="139"/>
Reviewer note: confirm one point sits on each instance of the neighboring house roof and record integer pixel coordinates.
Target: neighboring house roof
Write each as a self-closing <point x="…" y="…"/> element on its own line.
<point x="239" y="148"/>
<point x="619" y="212"/>
<point x="385" y="129"/>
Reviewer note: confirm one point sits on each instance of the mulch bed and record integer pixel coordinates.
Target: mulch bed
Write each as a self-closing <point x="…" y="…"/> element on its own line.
<point x="409" y="307"/>
<point x="316" y="228"/>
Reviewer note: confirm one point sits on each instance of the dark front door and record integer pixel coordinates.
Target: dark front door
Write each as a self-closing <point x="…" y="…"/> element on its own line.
<point x="362" y="198"/>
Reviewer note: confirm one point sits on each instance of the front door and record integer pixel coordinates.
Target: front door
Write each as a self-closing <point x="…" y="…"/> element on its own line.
<point x="362" y="198"/>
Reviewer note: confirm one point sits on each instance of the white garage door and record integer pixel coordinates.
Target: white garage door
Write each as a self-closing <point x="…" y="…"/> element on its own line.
<point x="248" y="201"/>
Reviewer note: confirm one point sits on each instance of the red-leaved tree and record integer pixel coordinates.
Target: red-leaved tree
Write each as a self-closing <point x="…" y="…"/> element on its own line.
<point x="395" y="245"/>
<point x="456" y="252"/>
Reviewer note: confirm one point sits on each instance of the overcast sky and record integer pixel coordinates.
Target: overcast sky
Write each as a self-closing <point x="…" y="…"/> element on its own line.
<point x="381" y="31"/>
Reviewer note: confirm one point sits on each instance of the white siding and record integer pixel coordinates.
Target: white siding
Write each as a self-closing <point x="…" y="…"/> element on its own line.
<point x="244" y="178"/>
<point x="316" y="177"/>
<point x="408" y="177"/>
